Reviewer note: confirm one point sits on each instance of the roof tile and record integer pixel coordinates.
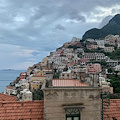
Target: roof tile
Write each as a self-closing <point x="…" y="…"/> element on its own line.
<point x="4" y="97"/>
<point x="113" y="111"/>
<point x="15" y="110"/>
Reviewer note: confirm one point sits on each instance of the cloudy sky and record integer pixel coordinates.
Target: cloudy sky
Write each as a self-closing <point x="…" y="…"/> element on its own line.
<point x="30" y="29"/>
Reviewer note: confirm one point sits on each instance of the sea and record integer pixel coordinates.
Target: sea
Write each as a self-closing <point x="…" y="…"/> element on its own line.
<point x="8" y="76"/>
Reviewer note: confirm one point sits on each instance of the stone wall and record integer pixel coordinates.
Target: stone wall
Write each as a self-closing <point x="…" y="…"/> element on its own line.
<point x="55" y="99"/>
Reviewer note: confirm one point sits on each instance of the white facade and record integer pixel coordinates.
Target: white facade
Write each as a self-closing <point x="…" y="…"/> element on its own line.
<point x="100" y="43"/>
<point x="117" y="68"/>
<point x="74" y="39"/>
<point x="26" y="95"/>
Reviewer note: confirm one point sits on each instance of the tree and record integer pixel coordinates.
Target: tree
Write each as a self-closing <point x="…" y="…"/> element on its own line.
<point x="116" y="72"/>
<point x="65" y="69"/>
<point x="117" y="90"/>
<point x="110" y="70"/>
<point x="38" y="94"/>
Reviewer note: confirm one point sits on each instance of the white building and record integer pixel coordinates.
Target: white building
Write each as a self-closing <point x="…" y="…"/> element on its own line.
<point x="26" y="95"/>
<point x="74" y="39"/>
<point x="100" y="43"/>
<point x="117" y="68"/>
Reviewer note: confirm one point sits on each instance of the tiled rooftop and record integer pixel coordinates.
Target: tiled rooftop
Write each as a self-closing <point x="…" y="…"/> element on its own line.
<point x="113" y="111"/>
<point x="21" y="110"/>
<point x="4" y="97"/>
<point x="67" y="82"/>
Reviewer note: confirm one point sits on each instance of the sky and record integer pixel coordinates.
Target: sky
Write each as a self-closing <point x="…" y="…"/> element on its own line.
<point x="31" y="29"/>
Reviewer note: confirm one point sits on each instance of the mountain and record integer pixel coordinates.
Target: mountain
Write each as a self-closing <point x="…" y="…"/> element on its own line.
<point x="105" y="21"/>
<point x="113" y="27"/>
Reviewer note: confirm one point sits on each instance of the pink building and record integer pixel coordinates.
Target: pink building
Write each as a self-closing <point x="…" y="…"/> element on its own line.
<point x="93" y="68"/>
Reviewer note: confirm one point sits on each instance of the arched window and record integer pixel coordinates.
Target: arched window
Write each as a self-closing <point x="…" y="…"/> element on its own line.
<point x="72" y="114"/>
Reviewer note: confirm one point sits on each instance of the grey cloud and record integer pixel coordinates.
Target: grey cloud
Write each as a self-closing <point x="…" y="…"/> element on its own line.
<point x="41" y="16"/>
<point x="77" y="17"/>
<point x="116" y="11"/>
<point x="53" y="12"/>
<point x="59" y="27"/>
<point x="41" y="11"/>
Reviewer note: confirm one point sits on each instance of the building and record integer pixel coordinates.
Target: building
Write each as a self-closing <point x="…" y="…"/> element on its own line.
<point x="10" y="90"/>
<point x="79" y="50"/>
<point x="109" y="49"/>
<point x="74" y="39"/>
<point x="64" y="101"/>
<point x="73" y="101"/>
<point x="117" y="68"/>
<point x="68" y="50"/>
<point x="29" y="70"/>
<point x="92" y="46"/>
<point x="112" y="63"/>
<point x="82" y="61"/>
<point x="105" y="85"/>
<point x="23" y="75"/>
<point x="68" y="75"/>
<point x="100" y="43"/>
<point x="57" y="59"/>
<point x="34" y="85"/>
<point x="90" y="40"/>
<point x="40" y="76"/>
<point x="93" y="56"/>
<point x="26" y="95"/>
<point x="44" y="62"/>
<point x="37" y="80"/>
<point x="93" y="68"/>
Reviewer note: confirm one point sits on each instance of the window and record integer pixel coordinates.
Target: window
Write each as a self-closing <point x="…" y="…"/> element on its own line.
<point x="72" y="114"/>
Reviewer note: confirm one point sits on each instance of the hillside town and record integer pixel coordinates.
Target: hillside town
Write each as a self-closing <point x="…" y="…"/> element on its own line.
<point x="80" y="80"/>
<point x="87" y="61"/>
<point x="60" y="60"/>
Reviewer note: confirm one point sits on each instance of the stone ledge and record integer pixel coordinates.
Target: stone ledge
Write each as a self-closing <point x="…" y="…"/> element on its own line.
<point x="73" y="88"/>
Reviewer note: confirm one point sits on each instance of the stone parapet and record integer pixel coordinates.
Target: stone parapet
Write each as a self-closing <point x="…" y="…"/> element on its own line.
<point x="57" y="100"/>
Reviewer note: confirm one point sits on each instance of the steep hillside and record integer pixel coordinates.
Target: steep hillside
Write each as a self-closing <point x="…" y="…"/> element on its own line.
<point x="113" y="27"/>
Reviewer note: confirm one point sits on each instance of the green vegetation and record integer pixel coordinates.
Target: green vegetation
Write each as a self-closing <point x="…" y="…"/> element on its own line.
<point x="115" y="82"/>
<point x="73" y="46"/>
<point x="114" y="55"/>
<point x="115" y="96"/>
<point x="103" y="63"/>
<point x="94" y="50"/>
<point x="56" y="74"/>
<point x="38" y="94"/>
<point x="107" y="45"/>
<point x="65" y="69"/>
<point x="110" y="70"/>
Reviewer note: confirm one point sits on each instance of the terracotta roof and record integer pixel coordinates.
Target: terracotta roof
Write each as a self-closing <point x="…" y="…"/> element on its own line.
<point x="113" y="111"/>
<point x="22" y="110"/>
<point x="4" y="97"/>
<point x="10" y="87"/>
<point x="67" y="82"/>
